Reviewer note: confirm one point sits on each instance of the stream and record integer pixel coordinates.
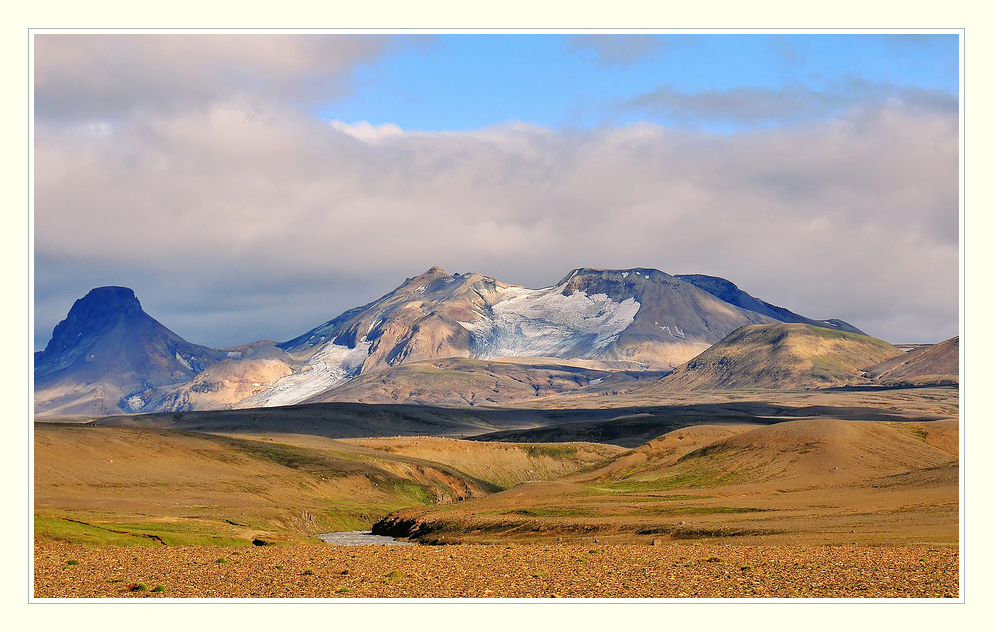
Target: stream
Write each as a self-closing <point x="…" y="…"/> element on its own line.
<point x="360" y="538"/>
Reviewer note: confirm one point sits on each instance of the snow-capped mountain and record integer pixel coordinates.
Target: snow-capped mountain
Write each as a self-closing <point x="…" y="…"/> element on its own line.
<point x="640" y="319"/>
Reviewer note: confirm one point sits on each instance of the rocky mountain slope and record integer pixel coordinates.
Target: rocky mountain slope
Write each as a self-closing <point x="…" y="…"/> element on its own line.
<point x="729" y="292"/>
<point x="936" y="364"/>
<point x="638" y="319"/>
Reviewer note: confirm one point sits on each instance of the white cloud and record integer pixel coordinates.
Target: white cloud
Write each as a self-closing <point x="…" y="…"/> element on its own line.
<point x="363" y="130"/>
<point x="855" y="218"/>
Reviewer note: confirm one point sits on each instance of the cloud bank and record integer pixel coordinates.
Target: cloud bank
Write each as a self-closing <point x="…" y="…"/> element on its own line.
<point x="235" y="215"/>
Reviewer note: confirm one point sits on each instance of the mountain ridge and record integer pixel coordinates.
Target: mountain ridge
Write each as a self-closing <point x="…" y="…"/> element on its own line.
<point x="639" y="317"/>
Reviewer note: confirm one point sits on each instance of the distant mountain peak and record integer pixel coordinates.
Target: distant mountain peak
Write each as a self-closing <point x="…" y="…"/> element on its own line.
<point x="101" y="309"/>
<point x="101" y="302"/>
<point x="108" y="355"/>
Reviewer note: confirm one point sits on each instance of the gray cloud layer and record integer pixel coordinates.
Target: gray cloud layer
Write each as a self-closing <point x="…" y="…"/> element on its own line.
<point x="758" y="106"/>
<point x="613" y="49"/>
<point x="100" y="77"/>
<point x="241" y="217"/>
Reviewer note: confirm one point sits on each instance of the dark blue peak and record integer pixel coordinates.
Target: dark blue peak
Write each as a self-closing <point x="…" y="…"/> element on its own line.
<point x="101" y="310"/>
<point x="103" y="303"/>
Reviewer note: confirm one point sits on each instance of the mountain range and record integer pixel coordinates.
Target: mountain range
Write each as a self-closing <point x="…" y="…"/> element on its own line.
<point x="457" y="339"/>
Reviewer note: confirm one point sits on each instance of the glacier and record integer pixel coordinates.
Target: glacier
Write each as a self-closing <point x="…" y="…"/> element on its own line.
<point x="546" y="322"/>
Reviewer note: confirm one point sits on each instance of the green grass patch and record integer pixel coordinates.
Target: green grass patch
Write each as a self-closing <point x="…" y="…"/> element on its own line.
<point x="112" y="533"/>
<point x="176" y="534"/>
<point x="77" y="533"/>
<point x="411" y="490"/>
<point x="551" y="450"/>
<point x="673" y="481"/>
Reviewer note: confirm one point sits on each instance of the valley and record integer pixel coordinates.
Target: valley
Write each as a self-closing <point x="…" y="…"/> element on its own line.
<point x="733" y="495"/>
<point x="636" y="411"/>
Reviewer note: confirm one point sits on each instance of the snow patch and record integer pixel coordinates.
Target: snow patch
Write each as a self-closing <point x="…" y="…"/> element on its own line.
<point x="180" y="359"/>
<point x="674" y="331"/>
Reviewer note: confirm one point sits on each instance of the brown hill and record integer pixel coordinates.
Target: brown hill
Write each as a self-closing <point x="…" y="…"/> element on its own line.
<point x="145" y="485"/>
<point x="780" y="356"/>
<point x="937" y="364"/>
<point x="822" y="452"/>
<point x="824" y="481"/>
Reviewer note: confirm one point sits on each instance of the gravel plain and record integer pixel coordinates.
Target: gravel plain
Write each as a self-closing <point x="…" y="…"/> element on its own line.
<point x="693" y="570"/>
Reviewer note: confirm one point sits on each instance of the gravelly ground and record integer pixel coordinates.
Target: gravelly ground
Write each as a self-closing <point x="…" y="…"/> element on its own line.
<point x="477" y="571"/>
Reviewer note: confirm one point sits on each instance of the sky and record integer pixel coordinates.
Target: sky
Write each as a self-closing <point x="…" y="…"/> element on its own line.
<point x="252" y="186"/>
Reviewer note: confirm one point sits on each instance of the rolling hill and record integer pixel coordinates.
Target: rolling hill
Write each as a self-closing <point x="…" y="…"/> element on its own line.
<point x="780" y="356"/>
<point x="817" y="481"/>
